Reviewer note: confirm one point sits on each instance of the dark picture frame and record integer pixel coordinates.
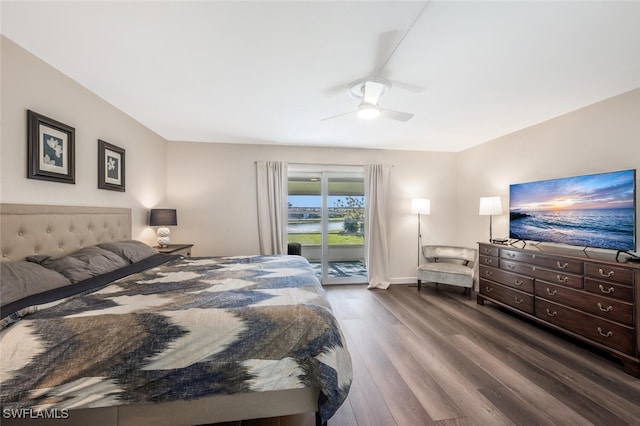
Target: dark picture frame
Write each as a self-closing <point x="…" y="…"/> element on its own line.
<point x="50" y="149"/>
<point x="111" y="167"/>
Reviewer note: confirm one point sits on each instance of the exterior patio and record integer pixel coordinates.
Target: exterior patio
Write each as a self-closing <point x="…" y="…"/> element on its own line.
<point x="342" y="268"/>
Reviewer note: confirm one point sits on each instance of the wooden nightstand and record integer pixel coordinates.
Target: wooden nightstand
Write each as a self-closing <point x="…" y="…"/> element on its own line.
<point x="182" y="249"/>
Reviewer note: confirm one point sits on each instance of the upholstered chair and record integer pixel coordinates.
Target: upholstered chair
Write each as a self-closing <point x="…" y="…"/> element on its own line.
<point x="294" y="249"/>
<point x="448" y="265"/>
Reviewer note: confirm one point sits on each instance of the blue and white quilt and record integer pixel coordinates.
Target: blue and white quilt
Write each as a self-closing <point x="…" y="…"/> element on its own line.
<point x="189" y="328"/>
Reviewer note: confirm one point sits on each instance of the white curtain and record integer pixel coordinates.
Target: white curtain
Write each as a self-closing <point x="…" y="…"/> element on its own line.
<point x="376" y="252"/>
<point x="271" y="179"/>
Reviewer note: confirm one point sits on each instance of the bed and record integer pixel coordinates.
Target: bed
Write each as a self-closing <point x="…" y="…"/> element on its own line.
<point x="134" y="337"/>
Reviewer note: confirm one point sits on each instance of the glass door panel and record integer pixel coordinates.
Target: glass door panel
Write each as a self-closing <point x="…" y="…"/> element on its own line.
<point x="326" y="216"/>
<point x="304" y="224"/>
<point x="345" y="228"/>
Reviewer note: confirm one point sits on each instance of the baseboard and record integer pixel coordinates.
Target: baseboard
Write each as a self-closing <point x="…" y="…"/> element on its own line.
<point x="404" y="280"/>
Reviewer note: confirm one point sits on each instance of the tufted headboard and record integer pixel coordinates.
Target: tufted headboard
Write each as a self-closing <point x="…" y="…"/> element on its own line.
<point x="28" y="229"/>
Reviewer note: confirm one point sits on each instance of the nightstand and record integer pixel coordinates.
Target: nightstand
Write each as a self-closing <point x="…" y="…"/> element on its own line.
<point x="182" y="249"/>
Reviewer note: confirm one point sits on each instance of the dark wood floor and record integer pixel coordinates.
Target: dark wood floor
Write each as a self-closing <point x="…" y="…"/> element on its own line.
<point x="437" y="357"/>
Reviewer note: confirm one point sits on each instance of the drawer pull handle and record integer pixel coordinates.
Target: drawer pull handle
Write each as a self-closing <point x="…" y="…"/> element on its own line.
<point x="488" y="273"/>
<point x="607" y="334"/>
<point x="603" y="309"/>
<point x="606" y="275"/>
<point x="562" y="279"/>
<point x="518" y="282"/>
<point x="511" y="255"/>
<point x="564" y="265"/>
<point x="488" y="289"/>
<point x="610" y="290"/>
<point x="518" y="300"/>
<point x="487" y="250"/>
<point x="551" y="314"/>
<point x="551" y="292"/>
<point x="512" y="267"/>
<point x="488" y="261"/>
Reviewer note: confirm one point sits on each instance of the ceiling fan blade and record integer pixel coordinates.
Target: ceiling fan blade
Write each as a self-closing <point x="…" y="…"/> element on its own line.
<point x="344" y="114"/>
<point x="372" y="92"/>
<point x="409" y="87"/>
<point x="387" y="42"/>
<point x="335" y="89"/>
<point x="396" y="115"/>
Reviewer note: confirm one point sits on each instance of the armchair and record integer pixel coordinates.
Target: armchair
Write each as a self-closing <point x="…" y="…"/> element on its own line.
<point x="448" y="265"/>
<point x="294" y="249"/>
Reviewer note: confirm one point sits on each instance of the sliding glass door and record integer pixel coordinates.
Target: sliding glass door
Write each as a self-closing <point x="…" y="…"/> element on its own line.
<point x="326" y="216"/>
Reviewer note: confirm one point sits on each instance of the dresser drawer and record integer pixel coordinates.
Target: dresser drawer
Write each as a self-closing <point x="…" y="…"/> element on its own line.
<point x="609" y="273"/>
<point x="555" y="277"/>
<point x="487" y="250"/>
<point x="611" y="309"/>
<point x="613" y="335"/>
<point x="609" y="289"/>
<point x="517" y="255"/>
<point x="488" y="261"/>
<point x="517" y="267"/>
<point x="517" y="299"/>
<point x="520" y="282"/>
<point x="559" y="264"/>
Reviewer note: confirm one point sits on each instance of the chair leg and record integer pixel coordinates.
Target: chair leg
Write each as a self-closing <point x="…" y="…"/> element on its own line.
<point x="419" y="284"/>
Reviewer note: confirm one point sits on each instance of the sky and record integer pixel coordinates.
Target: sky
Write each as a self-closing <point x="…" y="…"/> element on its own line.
<point x="313" y="200"/>
<point x="597" y="191"/>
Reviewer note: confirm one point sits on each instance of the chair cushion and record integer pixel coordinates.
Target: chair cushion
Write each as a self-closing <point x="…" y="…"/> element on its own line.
<point x="449" y="252"/>
<point x="446" y="273"/>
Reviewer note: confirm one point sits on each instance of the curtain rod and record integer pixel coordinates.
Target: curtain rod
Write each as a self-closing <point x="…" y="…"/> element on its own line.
<point x="324" y="164"/>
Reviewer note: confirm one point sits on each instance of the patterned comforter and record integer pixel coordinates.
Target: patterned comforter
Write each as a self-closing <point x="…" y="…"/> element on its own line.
<point x="190" y="328"/>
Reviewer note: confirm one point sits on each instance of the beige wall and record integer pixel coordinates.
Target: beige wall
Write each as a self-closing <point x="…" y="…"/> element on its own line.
<point x="29" y="83"/>
<point x="214" y="187"/>
<point x="599" y="138"/>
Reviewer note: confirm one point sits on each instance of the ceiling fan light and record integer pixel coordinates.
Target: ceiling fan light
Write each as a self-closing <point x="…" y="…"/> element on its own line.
<point x="368" y="112"/>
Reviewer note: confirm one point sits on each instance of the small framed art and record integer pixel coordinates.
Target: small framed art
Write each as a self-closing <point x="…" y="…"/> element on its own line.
<point x="50" y="149"/>
<point x="111" y="170"/>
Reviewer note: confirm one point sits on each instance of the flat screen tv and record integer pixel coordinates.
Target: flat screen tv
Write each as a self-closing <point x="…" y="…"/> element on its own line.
<point x="596" y="210"/>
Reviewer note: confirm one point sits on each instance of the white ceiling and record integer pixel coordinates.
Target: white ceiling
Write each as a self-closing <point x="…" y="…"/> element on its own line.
<point x="268" y="72"/>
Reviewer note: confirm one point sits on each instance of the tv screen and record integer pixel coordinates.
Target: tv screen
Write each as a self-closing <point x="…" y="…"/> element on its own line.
<point x="595" y="210"/>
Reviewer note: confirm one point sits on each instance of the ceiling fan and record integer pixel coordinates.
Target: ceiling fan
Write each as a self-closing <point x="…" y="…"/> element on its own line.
<point x="370" y="90"/>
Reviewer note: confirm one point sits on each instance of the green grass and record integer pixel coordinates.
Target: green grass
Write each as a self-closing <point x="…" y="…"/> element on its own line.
<point x="334" y="239"/>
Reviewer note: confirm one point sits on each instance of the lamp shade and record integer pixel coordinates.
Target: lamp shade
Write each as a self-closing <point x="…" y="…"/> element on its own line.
<point x="490" y="206"/>
<point x="420" y="206"/>
<point x="163" y="217"/>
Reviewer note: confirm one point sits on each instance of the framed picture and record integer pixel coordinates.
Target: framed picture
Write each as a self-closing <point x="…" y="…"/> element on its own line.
<point x="50" y="149"/>
<point x="111" y="171"/>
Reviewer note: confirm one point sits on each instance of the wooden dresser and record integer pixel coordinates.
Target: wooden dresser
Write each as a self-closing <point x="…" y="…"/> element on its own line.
<point x="587" y="295"/>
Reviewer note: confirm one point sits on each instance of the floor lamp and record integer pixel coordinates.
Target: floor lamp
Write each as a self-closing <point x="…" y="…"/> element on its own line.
<point x="488" y="207"/>
<point x="420" y="206"/>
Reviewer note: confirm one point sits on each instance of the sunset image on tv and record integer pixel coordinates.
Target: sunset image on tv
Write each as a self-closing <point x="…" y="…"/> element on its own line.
<point x="590" y="211"/>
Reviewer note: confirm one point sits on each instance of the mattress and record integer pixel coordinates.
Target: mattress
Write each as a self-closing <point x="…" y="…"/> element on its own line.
<point x="179" y="330"/>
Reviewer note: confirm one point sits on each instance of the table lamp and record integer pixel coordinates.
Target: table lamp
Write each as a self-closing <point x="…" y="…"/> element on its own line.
<point x="163" y="218"/>
<point x="488" y="207"/>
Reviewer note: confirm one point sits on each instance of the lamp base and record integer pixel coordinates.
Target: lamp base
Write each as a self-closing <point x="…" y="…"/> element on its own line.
<point x="163" y="237"/>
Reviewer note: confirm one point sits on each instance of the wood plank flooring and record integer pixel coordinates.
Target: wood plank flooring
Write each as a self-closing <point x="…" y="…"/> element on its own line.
<point x="438" y="358"/>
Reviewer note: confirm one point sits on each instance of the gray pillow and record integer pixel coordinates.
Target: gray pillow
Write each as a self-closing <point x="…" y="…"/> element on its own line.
<point x="132" y="250"/>
<point x="21" y="279"/>
<point x="83" y="264"/>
